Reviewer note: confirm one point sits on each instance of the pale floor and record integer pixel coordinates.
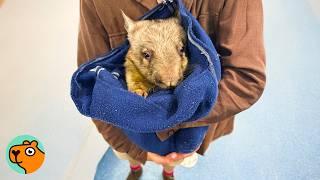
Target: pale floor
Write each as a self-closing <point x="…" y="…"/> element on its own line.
<point x="276" y="139"/>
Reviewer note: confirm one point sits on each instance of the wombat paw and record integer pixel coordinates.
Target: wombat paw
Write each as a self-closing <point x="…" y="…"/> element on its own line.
<point x="141" y="92"/>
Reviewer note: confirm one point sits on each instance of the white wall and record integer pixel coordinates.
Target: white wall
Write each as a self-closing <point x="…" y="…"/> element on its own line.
<point x="38" y="41"/>
<point x="315" y="6"/>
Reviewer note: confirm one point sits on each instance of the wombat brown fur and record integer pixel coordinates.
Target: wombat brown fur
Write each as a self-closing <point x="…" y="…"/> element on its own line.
<point x="156" y="57"/>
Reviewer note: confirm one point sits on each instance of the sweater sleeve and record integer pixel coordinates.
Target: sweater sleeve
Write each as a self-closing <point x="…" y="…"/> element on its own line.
<point x="93" y="41"/>
<point x="240" y="44"/>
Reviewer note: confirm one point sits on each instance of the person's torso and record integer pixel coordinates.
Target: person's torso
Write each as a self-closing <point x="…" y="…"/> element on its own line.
<point x="206" y="12"/>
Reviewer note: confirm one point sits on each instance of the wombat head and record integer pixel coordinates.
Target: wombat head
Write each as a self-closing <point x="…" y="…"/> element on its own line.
<point x="157" y="49"/>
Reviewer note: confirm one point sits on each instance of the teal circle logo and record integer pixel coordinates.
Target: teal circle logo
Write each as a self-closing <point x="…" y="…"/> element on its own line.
<point x="25" y="154"/>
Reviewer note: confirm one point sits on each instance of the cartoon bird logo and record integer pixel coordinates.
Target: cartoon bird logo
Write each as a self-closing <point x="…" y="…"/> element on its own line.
<point x="27" y="156"/>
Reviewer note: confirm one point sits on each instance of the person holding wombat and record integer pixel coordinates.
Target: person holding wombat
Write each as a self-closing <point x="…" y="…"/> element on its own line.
<point x="236" y="27"/>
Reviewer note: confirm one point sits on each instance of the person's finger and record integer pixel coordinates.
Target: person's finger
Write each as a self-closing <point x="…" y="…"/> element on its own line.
<point x="159" y="159"/>
<point x="187" y="155"/>
<point x="184" y="155"/>
<point x="178" y="156"/>
<point x="175" y="156"/>
<point x="169" y="159"/>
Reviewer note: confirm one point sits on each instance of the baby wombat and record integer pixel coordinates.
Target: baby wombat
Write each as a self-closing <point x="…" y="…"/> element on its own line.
<point x="156" y="57"/>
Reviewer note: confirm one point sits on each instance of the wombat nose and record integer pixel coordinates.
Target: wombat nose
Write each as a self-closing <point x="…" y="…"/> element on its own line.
<point x="15" y="153"/>
<point x="168" y="82"/>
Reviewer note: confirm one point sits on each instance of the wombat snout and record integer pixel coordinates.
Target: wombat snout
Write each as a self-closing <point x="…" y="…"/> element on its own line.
<point x="167" y="80"/>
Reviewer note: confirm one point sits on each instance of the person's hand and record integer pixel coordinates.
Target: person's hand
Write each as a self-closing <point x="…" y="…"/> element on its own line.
<point x="173" y="157"/>
<point x="163" y="160"/>
<point x="169" y="159"/>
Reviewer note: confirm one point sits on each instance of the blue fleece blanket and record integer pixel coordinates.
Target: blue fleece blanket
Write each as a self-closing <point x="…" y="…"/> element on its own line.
<point x="98" y="90"/>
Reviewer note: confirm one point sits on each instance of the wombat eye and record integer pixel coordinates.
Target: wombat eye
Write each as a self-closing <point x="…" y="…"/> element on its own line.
<point x="181" y="50"/>
<point x="147" y="55"/>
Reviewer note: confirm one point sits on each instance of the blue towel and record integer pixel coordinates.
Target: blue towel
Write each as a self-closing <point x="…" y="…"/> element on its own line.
<point x="98" y="90"/>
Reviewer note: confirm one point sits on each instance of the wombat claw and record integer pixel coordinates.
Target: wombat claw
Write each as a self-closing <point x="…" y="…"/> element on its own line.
<point x="141" y="92"/>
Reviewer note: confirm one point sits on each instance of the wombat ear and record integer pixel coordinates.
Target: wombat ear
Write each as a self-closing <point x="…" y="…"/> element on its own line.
<point x="177" y="14"/>
<point x="128" y="22"/>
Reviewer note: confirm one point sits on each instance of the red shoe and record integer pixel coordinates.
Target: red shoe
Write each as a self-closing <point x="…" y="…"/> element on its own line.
<point x="167" y="176"/>
<point x="135" y="174"/>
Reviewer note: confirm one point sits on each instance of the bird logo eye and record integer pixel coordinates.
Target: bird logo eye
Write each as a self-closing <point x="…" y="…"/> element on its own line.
<point x="30" y="151"/>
